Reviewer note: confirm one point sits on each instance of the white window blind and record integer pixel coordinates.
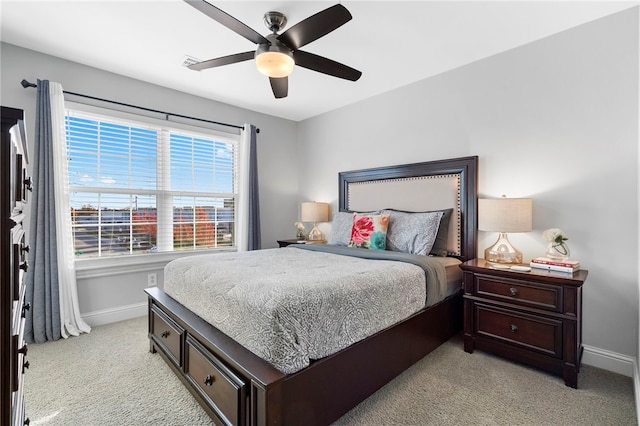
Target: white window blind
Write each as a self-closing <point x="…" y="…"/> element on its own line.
<point x="138" y="188"/>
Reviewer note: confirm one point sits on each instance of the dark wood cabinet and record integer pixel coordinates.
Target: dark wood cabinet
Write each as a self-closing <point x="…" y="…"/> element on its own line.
<point x="15" y="184"/>
<point x="531" y="317"/>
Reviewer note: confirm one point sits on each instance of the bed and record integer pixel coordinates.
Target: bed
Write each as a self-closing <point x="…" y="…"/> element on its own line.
<point x="236" y="386"/>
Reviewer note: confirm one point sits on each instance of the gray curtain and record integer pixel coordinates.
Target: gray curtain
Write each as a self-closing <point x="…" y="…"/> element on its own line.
<point x="43" y="319"/>
<point x="254" y="204"/>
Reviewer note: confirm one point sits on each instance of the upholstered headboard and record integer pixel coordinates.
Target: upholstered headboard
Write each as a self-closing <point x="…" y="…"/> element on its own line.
<point x="433" y="185"/>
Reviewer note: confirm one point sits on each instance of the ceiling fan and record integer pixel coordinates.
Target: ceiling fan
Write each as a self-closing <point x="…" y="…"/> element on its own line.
<point x="277" y="54"/>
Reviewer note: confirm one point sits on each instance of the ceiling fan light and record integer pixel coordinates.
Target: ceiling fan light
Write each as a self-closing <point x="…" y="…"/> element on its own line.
<point x="274" y="64"/>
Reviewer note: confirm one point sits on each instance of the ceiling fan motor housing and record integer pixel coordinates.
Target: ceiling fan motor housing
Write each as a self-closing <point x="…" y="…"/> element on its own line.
<point x="275" y="21"/>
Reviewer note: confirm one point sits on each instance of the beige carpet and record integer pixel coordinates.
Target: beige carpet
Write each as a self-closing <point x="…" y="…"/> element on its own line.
<point x="108" y="377"/>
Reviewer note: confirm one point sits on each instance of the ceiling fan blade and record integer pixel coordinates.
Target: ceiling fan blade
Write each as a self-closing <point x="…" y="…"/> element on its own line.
<point x="315" y="26"/>
<point x="224" y="60"/>
<point x="280" y="86"/>
<point x="325" y="66"/>
<point x="228" y="21"/>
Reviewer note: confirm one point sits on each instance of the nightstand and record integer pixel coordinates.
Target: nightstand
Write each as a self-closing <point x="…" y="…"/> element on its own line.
<point x="531" y="317"/>
<point x="284" y="243"/>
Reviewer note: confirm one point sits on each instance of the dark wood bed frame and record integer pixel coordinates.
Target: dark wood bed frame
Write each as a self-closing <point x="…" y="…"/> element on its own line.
<point x="237" y="387"/>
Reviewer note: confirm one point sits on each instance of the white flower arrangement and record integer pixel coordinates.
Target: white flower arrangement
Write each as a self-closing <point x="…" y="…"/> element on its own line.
<point x="555" y="235"/>
<point x="300" y="231"/>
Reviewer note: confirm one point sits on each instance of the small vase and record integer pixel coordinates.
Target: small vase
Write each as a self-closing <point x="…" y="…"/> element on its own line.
<point x="300" y="235"/>
<point x="559" y="251"/>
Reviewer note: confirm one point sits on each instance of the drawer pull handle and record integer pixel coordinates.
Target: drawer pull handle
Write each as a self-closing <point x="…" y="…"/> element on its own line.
<point x="513" y="291"/>
<point x="23" y="350"/>
<point x="25" y="308"/>
<point x="25" y="248"/>
<point x="208" y="380"/>
<point x="24" y="265"/>
<point x="514" y="328"/>
<point x="25" y="365"/>
<point x="27" y="421"/>
<point x="165" y="334"/>
<point x="28" y="184"/>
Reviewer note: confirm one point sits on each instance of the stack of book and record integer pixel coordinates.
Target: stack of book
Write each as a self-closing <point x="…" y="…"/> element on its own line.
<point x="567" y="265"/>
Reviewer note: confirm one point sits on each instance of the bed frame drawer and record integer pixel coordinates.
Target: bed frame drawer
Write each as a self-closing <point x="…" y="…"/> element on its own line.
<point x="537" y="333"/>
<point x="167" y="334"/>
<point x="224" y="391"/>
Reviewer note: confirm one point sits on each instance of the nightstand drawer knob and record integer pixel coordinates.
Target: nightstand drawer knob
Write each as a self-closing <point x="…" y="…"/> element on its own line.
<point x="514" y="328"/>
<point x="513" y="291"/>
<point x="165" y="334"/>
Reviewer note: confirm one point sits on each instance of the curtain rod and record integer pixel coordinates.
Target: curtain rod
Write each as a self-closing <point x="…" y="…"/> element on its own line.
<point x="26" y="84"/>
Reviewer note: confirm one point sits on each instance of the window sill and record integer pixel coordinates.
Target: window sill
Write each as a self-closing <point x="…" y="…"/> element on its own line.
<point x="101" y="267"/>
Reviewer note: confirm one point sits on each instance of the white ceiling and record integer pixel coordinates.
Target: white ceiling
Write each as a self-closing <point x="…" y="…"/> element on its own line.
<point x="393" y="43"/>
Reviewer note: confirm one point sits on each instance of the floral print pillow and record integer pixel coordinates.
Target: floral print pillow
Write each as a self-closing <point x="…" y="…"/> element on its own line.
<point x="369" y="231"/>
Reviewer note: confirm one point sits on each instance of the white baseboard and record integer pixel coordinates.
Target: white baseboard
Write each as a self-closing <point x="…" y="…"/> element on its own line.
<point x="121" y="313"/>
<point x="610" y="361"/>
<point x="618" y="363"/>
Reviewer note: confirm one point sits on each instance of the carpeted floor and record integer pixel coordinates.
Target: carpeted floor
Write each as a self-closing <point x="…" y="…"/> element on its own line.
<point x="109" y="377"/>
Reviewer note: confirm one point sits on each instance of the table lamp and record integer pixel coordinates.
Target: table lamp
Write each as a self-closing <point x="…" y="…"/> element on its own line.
<point x="314" y="212"/>
<point x="504" y="215"/>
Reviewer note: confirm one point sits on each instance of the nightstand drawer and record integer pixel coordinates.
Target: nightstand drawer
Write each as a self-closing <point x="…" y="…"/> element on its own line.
<point x="530" y="332"/>
<point x="519" y="292"/>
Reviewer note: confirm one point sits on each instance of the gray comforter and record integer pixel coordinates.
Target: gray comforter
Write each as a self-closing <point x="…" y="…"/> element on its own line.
<point x="296" y="304"/>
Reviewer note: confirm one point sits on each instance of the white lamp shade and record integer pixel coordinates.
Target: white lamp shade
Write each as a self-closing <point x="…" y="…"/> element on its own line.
<point x="505" y="214"/>
<point x="314" y="212"/>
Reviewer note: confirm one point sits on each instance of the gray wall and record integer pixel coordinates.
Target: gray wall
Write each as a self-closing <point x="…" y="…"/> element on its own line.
<point x="99" y="291"/>
<point x="555" y="120"/>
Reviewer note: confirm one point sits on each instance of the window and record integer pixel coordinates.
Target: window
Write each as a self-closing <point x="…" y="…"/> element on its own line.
<point x="139" y="187"/>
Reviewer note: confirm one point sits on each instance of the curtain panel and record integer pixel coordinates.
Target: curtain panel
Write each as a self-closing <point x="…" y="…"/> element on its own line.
<point x="51" y="282"/>
<point x="248" y="231"/>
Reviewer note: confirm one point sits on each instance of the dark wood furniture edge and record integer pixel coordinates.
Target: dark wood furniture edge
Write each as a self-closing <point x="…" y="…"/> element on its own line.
<point x="288" y="242"/>
<point x="542" y="275"/>
<point x="13" y="357"/>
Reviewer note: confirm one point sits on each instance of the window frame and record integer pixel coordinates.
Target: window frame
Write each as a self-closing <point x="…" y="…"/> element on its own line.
<point x="131" y="263"/>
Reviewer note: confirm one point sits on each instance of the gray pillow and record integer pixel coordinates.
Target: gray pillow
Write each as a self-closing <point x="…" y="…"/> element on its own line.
<point x="341" y="225"/>
<point x="412" y="232"/>
<point x="341" y="228"/>
<point x="440" y="244"/>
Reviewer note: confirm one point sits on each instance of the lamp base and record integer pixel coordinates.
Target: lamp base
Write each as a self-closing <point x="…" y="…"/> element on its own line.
<point x="502" y="251"/>
<point x="315" y="234"/>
